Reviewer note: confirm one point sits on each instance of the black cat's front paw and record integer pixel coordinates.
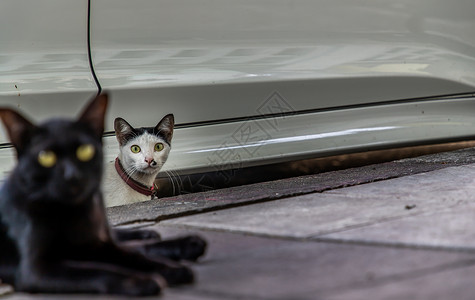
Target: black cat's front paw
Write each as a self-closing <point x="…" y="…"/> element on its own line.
<point x="192" y="247"/>
<point x="124" y="235"/>
<point x="178" y="275"/>
<point x="136" y="287"/>
<point x="185" y="248"/>
<point x="92" y="281"/>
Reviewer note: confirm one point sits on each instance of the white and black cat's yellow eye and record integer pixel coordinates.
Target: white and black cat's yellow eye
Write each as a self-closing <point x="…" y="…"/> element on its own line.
<point x="47" y="158"/>
<point x="135" y="149"/>
<point x="85" y="152"/>
<point x="158" y="147"/>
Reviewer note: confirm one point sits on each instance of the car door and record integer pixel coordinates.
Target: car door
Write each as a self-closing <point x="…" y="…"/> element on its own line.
<point x="44" y="65"/>
<point x="261" y="81"/>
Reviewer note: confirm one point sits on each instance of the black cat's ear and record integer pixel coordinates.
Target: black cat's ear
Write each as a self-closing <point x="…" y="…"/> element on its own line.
<point x="19" y="129"/>
<point x="165" y="127"/>
<point x="123" y="130"/>
<point x="94" y="114"/>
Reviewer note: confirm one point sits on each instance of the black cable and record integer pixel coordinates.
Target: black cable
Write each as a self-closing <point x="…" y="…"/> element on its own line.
<point x="89" y="52"/>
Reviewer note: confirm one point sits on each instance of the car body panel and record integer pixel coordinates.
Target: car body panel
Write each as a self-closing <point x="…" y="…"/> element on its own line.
<point x="327" y="74"/>
<point x="207" y="59"/>
<point x="249" y="82"/>
<point x="44" y="65"/>
<point x="269" y="140"/>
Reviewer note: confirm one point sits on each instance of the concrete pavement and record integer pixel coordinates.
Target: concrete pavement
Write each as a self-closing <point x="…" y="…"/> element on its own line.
<point x="398" y="230"/>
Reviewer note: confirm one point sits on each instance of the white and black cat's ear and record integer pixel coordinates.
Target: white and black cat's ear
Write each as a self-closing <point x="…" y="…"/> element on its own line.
<point x="94" y="113"/>
<point x="18" y="127"/>
<point x="123" y="130"/>
<point x="165" y="127"/>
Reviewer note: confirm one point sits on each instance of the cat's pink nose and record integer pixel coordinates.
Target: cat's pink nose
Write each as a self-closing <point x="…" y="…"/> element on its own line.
<point x="149" y="160"/>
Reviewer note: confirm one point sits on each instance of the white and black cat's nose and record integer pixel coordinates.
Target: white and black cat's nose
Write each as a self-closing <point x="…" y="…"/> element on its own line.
<point x="150" y="161"/>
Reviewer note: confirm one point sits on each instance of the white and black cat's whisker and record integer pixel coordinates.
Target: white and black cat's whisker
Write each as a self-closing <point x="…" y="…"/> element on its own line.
<point x="131" y="171"/>
<point x="176" y="181"/>
<point x="168" y="173"/>
<point x="179" y="181"/>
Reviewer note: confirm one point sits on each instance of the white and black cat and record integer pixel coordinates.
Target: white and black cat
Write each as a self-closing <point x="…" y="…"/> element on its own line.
<point x="142" y="153"/>
<point x="54" y="235"/>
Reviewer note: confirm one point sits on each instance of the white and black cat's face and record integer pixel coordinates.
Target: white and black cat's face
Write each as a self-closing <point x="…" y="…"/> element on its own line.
<point x="143" y="151"/>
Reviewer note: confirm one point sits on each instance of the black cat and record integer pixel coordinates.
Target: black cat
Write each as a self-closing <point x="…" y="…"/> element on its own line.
<point x="54" y="235"/>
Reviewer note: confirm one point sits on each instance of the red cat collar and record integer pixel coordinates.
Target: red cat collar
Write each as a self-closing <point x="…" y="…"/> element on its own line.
<point x="135" y="185"/>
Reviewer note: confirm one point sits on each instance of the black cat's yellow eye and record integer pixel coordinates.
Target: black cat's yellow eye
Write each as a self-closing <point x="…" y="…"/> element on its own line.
<point x="47" y="158"/>
<point x="135" y="149"/>
<point x="158" y="147"/>
<point x="85" y="152"/>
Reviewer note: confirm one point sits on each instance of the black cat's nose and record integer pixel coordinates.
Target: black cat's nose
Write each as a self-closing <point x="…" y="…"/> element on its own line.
<point x="70" y="172"/>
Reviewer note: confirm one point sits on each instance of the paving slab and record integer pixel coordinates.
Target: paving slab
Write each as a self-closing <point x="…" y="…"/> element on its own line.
<point x="319" y="214"/>
<point x="181" y="205"/>
<point x="450" y="228"/>
<point x="301" y="217"/>
<point x="454" y="183"/>
<point x="456" y="283"/>
<point x="248" y="267"/>
<point x="5" y="289"/>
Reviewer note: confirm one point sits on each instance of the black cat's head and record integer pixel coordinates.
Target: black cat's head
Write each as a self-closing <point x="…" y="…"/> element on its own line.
<point x="60" y="159"/>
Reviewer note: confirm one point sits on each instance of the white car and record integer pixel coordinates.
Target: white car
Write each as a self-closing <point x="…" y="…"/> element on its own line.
<point x="249" y="82"/>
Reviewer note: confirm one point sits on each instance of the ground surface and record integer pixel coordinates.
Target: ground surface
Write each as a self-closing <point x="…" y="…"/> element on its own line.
<point x="398" y="230"/>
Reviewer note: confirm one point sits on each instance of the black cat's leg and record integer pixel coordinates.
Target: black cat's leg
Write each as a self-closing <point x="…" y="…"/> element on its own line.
<point x="9" y="258"/>
<point x="86" y="277"/>
<point x="174" y="273"/>
<point x="123" y="235"/>
<point x="7" y="273"/>
<point x="188" y="248"/>
<point x="184" y="248"/>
